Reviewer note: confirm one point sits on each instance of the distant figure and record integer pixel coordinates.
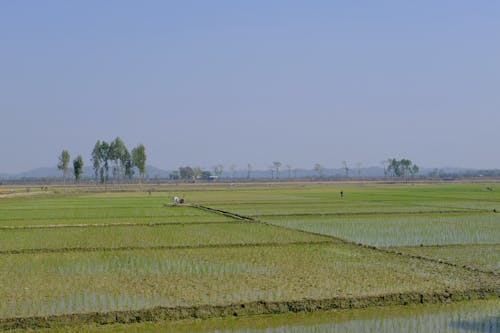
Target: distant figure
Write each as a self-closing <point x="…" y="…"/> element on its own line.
<point x="181" y="201"/>
<point x="176" y="200"/>
<point x="341" y="194"/>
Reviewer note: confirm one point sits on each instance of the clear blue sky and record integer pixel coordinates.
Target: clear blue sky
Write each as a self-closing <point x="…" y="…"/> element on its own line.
<point x="206" y="82"/>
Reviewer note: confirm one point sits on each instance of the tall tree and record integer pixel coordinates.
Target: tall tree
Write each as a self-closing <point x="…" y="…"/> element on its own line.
<point x="139" y="159"/>
<point x="358" y="165"/>
<point x="78" y="167"/>
<point x="405" y="168"/>
<point x="277" y="165"/>
<point x="346" y="169"/>
<point x="319" y="169"/>
<point x="394" y="168"/>
<point x="126" y="161"/>
<point x="104" y="155"/>
<point x="414" y="170"/>
<point x="96" y="159"/>
<point x="233" y="167"/>
<point x="63" y="163"/>
<point x="116" y="154"/>
<point x="289" y="168"/>
<point x="218" y="170"/>
<point x="385" y="165"/>
<point x="197" y="171"/>
<point x="401" y="168"/>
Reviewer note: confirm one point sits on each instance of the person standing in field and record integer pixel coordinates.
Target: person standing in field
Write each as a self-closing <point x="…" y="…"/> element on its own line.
<point x="341" y="194"/>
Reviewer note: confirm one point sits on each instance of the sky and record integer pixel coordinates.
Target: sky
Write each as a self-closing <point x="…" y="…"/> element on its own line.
<point x="202" y="83"/>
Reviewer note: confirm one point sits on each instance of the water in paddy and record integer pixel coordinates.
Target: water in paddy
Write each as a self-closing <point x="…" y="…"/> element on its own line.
<point x="478" y="316"/>
<point x="469" y="317"/>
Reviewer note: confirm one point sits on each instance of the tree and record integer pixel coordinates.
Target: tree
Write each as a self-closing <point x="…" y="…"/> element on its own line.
<point x="346" y="169"/>
<point x="186" y="173"/>
<point x="414" y="170"/>
<point x="96" y="159"/>
<point x="402" y="168"/>
<point x="129" y="166"/>
<point x="104" y="155"/>
<point x="394" y="168"/>
<point x="405" y="166"/>
<point x="319" y="169"/>
<point x="205" y="175"/>
<point x="63" y="163"/>
<point x="289" y="168"/>
<point x="233" y="167"/>
<point x="358" y="165"/>
<point x="117" y="154"/>
<point x="197" y="171"/>
<point x="277" y="165"/>
<point x="385" y="165"/>
<point x="139" y="159"/>
<point x="218" y="170"/>
<point x="78" y="167"/>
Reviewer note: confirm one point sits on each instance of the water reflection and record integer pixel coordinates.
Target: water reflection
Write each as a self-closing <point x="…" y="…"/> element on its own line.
<point x="481" y="316"/>
<point x="488" y="324"/>
<point x="472" y="317"/>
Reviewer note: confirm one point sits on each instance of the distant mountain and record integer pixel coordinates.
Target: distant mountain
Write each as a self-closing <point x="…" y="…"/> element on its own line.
<point x="154" y="172"/>
<point x="88" y="172"/>
<point x="42" y="172"/>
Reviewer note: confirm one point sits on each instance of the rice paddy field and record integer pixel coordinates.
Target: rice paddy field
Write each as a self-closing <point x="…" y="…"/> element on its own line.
<point x="73" y="257"/>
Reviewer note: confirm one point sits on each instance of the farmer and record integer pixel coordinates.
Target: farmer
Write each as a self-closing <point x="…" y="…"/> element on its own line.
<point x="341" y="194"/>
<point x="176" y="201"/>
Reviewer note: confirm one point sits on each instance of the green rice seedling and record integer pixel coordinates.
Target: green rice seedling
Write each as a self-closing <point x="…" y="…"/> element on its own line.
<point x="178" y="235"/>
<point x="481" y="257"/>
<point x="190" y="277"/>
<point x="389" y="230"/>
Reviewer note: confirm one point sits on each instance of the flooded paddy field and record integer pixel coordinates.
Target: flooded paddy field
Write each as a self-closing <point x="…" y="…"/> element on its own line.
<point x="255" y="249"/>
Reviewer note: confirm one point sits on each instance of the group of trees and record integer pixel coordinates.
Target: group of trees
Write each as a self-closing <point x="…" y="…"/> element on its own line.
<point x="403" y="168"/>
<point x="63" y="165"/>
<point x="105" y="155"/>
<point x="122" y="161"/>
<point x="191" y="173"/>
<point x="115" y="156"/>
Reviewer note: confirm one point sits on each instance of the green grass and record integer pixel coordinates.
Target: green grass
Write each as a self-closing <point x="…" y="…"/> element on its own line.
<point x="483" y="257"/>
<point x="388" y="230"/>
<point x="74" y="282"/>
<point x="209" y="234"/>
<point x="98" y="209"/>
<point x="323" y="199"/>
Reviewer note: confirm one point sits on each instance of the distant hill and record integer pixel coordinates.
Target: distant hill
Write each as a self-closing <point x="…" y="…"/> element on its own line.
<point x="88" y="172"/>
<point x="153" y="172"/>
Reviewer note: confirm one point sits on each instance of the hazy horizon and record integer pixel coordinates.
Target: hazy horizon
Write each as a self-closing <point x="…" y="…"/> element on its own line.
<point x="224" y="82"/>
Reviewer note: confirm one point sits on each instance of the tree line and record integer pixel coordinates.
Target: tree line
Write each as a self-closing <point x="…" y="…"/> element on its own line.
<point x="403" y="168"/>
<point x="106" y="156"/>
